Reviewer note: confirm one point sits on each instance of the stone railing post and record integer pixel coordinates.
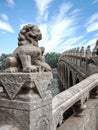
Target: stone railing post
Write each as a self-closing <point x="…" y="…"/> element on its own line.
<point x="88" y="52"/>
<point x="78" y="54"/>
<point x="88" y="55"/>
<point x="81" y="55"/>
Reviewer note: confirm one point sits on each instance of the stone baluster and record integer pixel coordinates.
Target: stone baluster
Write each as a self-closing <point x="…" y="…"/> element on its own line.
<point x="71" y="51"/>
<point x="77" y="54"/>
<point x="88" y="52"/>
<point x="88" y="55"/>
<point x="81" y="55"/>
<point x="78" y="108"/>
<point x="68" y="52"/>
<point x="95" y="50"/>
<point x="65" y="52"/>
<point x="74" y="51"/>
<point x="82" y="52"/>
<point x="94" y="93"/>
<point x="72" y="55"/>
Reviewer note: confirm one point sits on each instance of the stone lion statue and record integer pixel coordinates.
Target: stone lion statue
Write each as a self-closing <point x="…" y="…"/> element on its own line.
<point x="28" y="56"/>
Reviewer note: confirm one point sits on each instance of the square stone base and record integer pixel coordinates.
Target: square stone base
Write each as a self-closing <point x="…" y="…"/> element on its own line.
<point x="21" y="115"/>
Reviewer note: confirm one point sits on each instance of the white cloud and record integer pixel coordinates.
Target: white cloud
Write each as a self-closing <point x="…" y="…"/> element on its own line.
<point x="10" y="3"/>
<point x="92" y="24"/>
<point x="4" y="17"/>
<point x="92" y="27"/>
<point x="5" y="26"/>
<point x="63" y="26"/>
<point x="64" y="8"/>
<point x="93" y="18"/>
<point x="43" y="6"/>
<point x="91" y="42"/>
<point x="70" y="43"/>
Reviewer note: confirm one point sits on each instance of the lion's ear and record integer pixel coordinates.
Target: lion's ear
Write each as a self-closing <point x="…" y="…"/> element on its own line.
<point x="42" y="49"/>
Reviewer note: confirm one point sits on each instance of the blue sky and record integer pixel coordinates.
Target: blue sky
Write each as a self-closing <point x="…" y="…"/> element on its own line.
<point x="65" y="24"/>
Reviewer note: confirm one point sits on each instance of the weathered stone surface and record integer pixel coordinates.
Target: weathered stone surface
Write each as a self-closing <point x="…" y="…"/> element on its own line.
<point x="30" y="110"/>
<point x="27" y="116"/>
<point x="28" y="56"/>
<point x="13" y="83"/>
<point x="8" y="127"/>
<point x="86" y="122"/>
<point x="74" y="96"/>
<point x="74" y="67"/>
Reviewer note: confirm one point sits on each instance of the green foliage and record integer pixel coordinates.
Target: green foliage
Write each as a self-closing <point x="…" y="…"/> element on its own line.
<point x="2" y="57"/>
<point x="52" y="59"/>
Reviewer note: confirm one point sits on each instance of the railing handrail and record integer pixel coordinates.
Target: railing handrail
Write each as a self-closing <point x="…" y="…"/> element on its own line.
<point x="66" y="99"/>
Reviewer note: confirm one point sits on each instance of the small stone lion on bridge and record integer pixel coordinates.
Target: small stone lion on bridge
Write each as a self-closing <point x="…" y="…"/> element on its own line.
<point x="28" y="56"/>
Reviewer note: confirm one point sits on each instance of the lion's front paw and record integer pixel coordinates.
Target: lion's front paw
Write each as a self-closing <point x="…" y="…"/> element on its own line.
<point x="11" y="70"/>
<point x="30" y="69"/>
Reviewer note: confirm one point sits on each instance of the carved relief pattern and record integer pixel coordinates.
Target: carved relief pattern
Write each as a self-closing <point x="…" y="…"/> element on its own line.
<point x="43" y="123"/>
<point x="13" y="83"/>
<point x="42" y="86"/>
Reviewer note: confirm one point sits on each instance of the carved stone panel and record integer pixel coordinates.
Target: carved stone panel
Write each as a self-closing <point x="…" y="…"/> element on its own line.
<point x="13" y="83"/>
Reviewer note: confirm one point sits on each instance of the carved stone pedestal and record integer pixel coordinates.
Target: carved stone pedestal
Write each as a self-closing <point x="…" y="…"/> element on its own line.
<point x="25" y="102"/>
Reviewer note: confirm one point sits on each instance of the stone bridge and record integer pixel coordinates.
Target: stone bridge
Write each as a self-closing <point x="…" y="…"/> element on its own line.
<point x="76" y="64"/>
<point x="26" y="103"/>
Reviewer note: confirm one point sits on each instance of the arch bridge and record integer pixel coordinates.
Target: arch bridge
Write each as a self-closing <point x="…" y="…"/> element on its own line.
<point x="76" y="64"/>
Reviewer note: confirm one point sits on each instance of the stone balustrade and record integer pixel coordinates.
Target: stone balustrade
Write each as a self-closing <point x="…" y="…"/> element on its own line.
<point x="74" y="65"/>
<point x="77" y="56"/>
<point x="75" y="97"/>
<point x="79" y="52"/>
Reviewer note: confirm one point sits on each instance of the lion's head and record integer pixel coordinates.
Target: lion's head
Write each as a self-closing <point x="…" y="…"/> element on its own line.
<point x="29" y="34"/>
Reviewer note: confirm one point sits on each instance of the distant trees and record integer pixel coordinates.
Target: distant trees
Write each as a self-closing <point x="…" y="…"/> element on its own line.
<point x="52" y="59"/>
<point x="2" y="57"/>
